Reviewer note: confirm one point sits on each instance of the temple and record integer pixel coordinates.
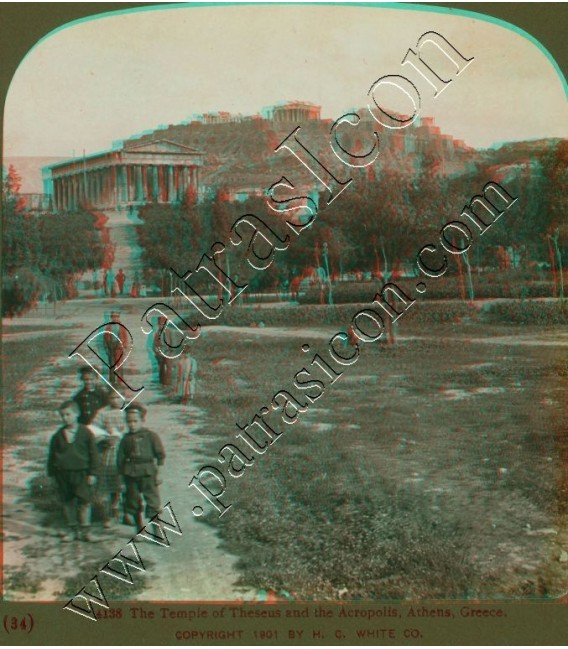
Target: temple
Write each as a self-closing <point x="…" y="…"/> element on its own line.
<point x="295" y="111"/>
<point x="159" y="171"/>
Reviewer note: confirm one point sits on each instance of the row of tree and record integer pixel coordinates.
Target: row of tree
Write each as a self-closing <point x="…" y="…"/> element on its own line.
<point x="379" y="223"/>
<point x="42" y="253"/>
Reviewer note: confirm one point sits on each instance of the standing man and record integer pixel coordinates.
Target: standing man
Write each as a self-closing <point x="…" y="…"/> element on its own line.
<point x="140" y="454"/>
<point x="162" y="338"/>
<point x="105" y="283"/>
<point x="91" y="397"/>
<point x="120" y="279"/>
<point x="115" y="341"/>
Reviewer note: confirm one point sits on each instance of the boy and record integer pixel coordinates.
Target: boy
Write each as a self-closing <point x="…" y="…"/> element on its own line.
<point x="111" y="426"/>
<point x="91" y="398"/>
<point x="140" y="453"/>
<point x="73" y="461"/>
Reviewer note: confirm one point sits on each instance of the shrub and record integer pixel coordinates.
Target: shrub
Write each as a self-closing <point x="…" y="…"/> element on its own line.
<point x="533" y="312"/>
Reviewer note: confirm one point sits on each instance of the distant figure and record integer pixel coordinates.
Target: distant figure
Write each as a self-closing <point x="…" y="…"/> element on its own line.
<point x="96" y="282"/>
<point x="115" y="340"/>
<point x="120" y="279"/>
<point x="105" y="283"/>
<point x="140" y="454"/>
<point x="160" y="348"/>
<point x="110" y="423"/>
<point x="74" y="462"/>
<point x="295" y="287"/>
<point x="136" y="285"/>
<point x="142" y="291"/>
<point x="110" y="282"/>
<point x="185" y="372"/>
<point x="91" y="397"/>
<point x="351" y="337"/>
<point x="134" y="290"/>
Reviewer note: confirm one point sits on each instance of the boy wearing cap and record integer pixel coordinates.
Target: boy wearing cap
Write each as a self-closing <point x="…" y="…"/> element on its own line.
<point x="140" y="454"/>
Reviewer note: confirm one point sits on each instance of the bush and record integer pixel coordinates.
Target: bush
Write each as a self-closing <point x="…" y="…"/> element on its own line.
<point x="510" y="284"/>
<point x="533" y="312"/>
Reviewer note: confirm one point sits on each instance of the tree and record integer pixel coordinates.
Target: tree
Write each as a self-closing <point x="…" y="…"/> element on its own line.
<point x="555" y="171"/>
<point x="41" y="252"/>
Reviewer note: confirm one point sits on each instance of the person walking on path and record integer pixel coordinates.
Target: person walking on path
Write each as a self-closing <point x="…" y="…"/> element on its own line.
<point x="140" y="454"/>
<point x="163" y="350"/>
<point x="115" y="342"/>
<point x="110" y="282"/>
<point x="74" y="463"/>
<point x="120" y="279"/>
<point x="106" y="291"/>
<point x="185" y="376"/>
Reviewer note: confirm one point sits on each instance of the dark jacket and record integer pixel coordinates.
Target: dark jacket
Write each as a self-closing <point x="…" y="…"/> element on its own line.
<point x="89" y="403"/>
<point x="139" y="452"/>
<point x="81" y="455"/>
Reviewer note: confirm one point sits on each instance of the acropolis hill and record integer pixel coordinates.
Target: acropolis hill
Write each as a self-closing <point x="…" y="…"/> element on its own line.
<point x="239" y="150"/>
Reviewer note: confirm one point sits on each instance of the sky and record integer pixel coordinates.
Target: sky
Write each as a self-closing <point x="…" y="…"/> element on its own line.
<point x="107" y="79"/>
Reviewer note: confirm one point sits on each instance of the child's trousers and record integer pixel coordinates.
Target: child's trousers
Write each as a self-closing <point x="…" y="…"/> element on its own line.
<point x="141" y="487"/>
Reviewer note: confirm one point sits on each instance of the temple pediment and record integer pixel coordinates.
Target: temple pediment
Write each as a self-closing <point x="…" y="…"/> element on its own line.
<point x="161" y="146"/>
<point x="159" y="171"/>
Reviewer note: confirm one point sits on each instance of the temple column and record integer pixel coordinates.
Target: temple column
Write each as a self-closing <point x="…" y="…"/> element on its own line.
<point x="88" y="200"/>
<point x="65" y="194"/>
<point x="139" y="184"/>
<point x="99" y="187"/>
<point x="96" y="188"/>
<point x="169" y="183"/>
<point x="119" y="175"/>
<point x="155" y="185"/>
<point x="82" y="188"/>
<point x="109" y="187"/>
<point x="162" y="187"/>
<point x="176" y="182"/>
<point x="144" y="170"/>
<point x="114" y="185"/>
<point x="73" y="185"/>
<point x="123" y="184"/>
<point x="129" y="183"/>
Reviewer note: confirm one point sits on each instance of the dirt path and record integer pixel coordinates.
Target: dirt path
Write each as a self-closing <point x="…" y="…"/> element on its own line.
<point x="38" y="566"/>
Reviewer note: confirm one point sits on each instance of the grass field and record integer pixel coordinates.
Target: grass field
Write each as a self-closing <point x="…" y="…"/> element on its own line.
<point x="434" y="468"/>
<point x="430" y="469"/>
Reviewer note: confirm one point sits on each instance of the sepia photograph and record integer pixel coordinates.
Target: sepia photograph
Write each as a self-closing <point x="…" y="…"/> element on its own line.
<point x="284" y="323"/>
